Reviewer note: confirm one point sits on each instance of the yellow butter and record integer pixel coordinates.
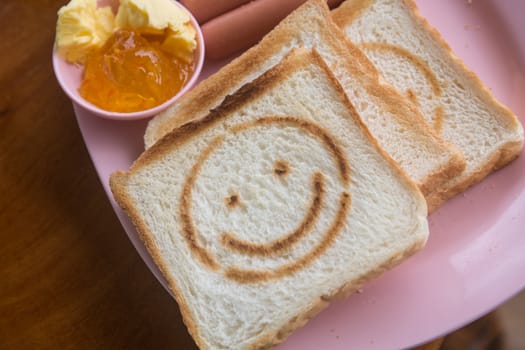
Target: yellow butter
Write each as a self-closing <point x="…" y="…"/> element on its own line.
<point x="181" y="44"/>
<point x="82" y="28"/>
<point x="161" y="17"/>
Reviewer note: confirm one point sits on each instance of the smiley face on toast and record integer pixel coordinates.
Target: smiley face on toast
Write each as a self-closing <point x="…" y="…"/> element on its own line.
<point x="413" y="77"/>
<point x="259" y="233"/>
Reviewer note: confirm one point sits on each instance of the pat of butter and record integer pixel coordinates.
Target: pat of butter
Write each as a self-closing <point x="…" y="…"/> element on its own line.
<point x="82" y="28"/>
<point x="181" y="44"/>
<point x="161" y="17"/>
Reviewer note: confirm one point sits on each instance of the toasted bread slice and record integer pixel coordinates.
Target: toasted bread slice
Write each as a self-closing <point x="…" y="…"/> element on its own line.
<point x="413" y="57"/>
<point x="391" y="117"/>
<point x="270" y="206"/>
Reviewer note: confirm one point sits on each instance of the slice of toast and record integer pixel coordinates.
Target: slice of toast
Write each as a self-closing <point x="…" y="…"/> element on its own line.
<point x="270" y="206"/>
<point x="413" y="57"/>
<point x="391" y="117"/>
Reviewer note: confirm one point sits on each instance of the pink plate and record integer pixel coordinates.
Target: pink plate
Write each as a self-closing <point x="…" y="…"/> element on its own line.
<point x="475" y="258"/>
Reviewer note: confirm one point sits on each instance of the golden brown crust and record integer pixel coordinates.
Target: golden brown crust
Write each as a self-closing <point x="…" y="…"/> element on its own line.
<point x="501" y="157"/>
<point x="433" y="180"/>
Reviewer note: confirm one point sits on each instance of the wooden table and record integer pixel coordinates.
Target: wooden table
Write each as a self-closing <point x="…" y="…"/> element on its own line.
<point x="69" y="276"/>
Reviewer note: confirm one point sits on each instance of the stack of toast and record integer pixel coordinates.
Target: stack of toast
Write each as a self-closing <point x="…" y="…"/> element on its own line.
<point x="307" y="166"/>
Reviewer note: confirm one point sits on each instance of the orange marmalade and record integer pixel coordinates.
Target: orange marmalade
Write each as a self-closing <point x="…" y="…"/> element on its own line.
<point x="131" y="73"/>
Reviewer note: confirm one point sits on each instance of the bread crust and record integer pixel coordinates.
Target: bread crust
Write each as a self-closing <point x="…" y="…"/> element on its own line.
<point x="210" y="91"/>
<point x="296" y="59"/>
<point x="500" y="158"/>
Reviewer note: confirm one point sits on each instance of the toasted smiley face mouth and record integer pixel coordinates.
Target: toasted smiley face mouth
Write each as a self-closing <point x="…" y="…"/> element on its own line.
<point x="287" y="241"/>
<point x="283" y="244"/>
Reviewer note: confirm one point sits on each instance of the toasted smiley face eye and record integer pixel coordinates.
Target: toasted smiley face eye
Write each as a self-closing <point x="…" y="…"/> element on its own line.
<point x="232" y="201"/>
<point x="315" y="190"/>
<point x="281" y="169"/>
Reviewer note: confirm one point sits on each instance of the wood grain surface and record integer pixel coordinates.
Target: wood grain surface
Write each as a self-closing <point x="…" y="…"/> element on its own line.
<point x="69" y="276"/>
